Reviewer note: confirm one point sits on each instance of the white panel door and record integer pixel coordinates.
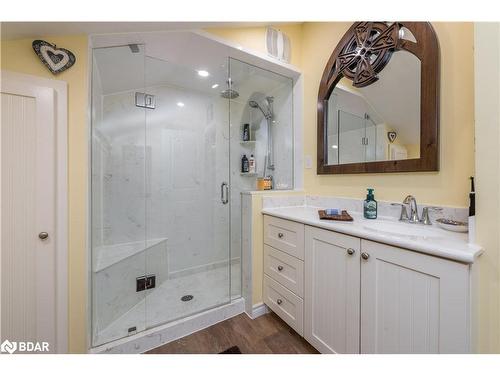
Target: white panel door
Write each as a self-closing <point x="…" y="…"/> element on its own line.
<point x="412" y="303"/>
<point x="28" y="267"/>
<point x="331" y="296"/>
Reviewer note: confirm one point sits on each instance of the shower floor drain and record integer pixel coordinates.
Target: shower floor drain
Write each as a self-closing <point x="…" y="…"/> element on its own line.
<point x="187" y="297"/>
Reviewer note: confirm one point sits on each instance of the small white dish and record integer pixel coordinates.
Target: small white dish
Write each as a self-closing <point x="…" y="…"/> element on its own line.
<point x="453" y="225"/>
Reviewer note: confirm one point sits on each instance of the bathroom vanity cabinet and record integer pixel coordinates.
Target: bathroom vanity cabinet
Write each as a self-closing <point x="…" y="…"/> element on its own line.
<point x="346" y="294"/>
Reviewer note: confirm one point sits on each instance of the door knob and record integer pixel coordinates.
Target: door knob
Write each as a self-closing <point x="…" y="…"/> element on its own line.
<point x="365" y="256"/>
<point x="279" y="301"/>
<point x="350" y="251"/>
<point x="280" y="235"/>
<point x="43" y="235"/>
<point x="280" y="268"/>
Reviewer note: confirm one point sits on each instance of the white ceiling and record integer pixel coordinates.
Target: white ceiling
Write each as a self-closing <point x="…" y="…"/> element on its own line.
<point x="20" y="30"/>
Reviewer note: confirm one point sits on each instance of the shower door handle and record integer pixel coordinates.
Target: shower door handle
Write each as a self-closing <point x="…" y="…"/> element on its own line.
<point x="224" y="193"/>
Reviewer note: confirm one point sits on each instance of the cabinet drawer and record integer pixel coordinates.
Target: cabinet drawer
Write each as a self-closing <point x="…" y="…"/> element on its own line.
<point x="285" y="269"/>
<point x="284" y="303"/>
<point x="284" y="235"/>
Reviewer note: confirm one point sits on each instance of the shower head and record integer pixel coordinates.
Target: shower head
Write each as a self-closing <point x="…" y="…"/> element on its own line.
<point x="229" y="93"/>
<point x="269" y="114"/>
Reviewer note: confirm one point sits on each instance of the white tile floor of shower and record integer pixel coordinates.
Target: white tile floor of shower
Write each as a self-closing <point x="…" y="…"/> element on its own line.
<point x="209" y="288"/>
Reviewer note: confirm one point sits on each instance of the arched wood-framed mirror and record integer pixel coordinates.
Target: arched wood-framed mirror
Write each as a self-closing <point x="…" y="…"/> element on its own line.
<point x="378" y="101"/>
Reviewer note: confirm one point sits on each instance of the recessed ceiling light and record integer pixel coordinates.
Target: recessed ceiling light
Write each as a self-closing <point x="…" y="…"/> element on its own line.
<point x="180" y="104"/>
<point x="203" y="73"/>
<point x="335" y="146"/>
<point x="240" y="48"/>
<point x="215" y="85"/>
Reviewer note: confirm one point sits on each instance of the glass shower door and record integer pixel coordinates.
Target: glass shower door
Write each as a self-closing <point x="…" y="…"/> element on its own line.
<point x="160" y="191"/>
<point x="187" y="190"/>
<point x="351" y="138"/>
<point x="118" y="221"/>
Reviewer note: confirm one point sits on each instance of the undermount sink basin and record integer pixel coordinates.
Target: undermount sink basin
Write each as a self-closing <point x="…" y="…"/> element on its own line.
<point x="400" y="229"/>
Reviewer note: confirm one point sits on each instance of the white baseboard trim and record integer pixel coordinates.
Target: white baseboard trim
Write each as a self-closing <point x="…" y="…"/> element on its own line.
<point x="259" y="309"/>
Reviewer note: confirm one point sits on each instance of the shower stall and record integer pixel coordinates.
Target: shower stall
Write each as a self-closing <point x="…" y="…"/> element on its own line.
<point x="166" y="179"/>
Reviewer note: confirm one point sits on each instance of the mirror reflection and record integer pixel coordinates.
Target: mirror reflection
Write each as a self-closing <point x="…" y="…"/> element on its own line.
<point x="378" y="122"/>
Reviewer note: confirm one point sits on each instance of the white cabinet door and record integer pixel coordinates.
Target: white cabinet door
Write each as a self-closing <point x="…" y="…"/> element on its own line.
<point x="412" y="303"/>
<point x="331" y="295"/>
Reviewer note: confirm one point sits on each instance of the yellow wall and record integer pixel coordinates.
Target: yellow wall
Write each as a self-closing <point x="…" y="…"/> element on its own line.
<point x="315" y="42"/>
<point x="450" y="185"/>
<point x="487" y="77"/>
<point x="18" y="56"/>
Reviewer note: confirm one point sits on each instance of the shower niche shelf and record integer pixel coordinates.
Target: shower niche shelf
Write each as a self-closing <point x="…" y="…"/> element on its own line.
<point x="248" y="174"/>
<point x="247" y="143"/>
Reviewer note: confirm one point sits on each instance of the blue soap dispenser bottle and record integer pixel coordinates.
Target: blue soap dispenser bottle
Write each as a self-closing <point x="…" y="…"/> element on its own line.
<point x="370" y="205"/>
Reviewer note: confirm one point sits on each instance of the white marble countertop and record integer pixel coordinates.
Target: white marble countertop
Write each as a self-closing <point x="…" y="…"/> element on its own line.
<point x="428" y="239"/>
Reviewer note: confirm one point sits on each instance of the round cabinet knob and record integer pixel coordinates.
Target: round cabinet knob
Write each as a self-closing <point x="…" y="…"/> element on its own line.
<point x="280" y="268"/>
<point x="43" y="235"/>
<point x="280" y="235"/>
<point x="350" y="251"/>
<point x="279" y="302"/>
<point x="365" y="256"/>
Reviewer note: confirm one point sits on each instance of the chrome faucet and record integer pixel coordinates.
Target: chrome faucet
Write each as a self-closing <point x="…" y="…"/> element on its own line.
<point x="413" y="216"/>
<point x="425" y="219"/>
<point x="412" y="203"/>
<point x="404" y="214"/>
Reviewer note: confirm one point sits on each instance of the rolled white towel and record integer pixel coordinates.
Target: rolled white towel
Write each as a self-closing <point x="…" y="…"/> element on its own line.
<point x="333" y="211"/>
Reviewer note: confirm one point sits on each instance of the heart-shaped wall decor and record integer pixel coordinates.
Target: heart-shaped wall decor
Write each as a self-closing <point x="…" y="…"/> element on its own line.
<point x="392" y="136"/>
<point x="56" y="59"/>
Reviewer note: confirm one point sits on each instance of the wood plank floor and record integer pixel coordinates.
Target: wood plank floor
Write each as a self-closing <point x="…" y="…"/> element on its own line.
<point x="267" y="334"/>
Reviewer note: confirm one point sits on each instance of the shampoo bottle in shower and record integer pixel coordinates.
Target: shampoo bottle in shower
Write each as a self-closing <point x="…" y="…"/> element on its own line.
<point x="246" y="133"/>
<point x="251" y="164"/>
<point x="244" y="164"/>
